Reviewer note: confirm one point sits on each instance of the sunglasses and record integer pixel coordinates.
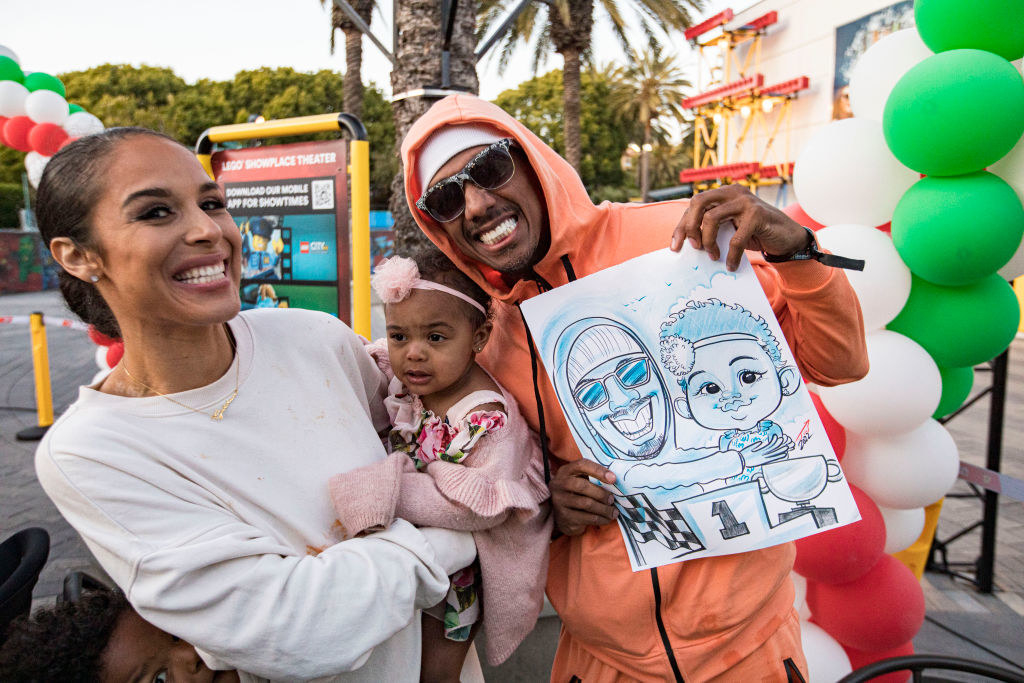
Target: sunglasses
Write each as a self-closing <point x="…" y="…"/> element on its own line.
<point x="488" y="170"/>
<point x="630" y="373"/>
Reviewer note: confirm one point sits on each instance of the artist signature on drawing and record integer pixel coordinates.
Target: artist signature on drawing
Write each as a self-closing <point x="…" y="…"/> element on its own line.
<point x="804" y="436"/>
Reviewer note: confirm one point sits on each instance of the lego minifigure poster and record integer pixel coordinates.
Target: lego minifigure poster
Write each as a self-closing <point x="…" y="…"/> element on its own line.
<point x="674" y="373"/>
<point x="290" y="204"/>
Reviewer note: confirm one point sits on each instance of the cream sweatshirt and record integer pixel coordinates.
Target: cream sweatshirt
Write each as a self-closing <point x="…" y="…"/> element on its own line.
<point x="223" y="533"/>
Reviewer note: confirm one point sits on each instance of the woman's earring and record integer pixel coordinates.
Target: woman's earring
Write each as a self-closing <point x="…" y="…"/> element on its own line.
<point x="94" y="279"/>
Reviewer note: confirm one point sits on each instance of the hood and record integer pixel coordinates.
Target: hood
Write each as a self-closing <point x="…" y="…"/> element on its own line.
<point x="571" y="214"/>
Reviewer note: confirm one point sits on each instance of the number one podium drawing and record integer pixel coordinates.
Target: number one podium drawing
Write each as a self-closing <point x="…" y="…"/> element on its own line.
<point x="674" y="373"/>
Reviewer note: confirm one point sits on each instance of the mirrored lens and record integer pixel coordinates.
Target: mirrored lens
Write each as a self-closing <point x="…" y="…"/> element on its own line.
<point x="591" y="395"/>
<point x="492" y="170"/>
<point x="632" y="373"/>
<point x="445" y="202"/>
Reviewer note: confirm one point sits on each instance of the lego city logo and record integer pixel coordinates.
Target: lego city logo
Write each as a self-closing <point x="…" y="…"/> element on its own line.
<point x="312" y="247"/>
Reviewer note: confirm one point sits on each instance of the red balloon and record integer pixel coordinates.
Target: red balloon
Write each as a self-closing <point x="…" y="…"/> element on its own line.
<point x="879" y="611"/>
<point x="46" y="138"/>
<point x="100" y="339"/>
<point x="886" y="228"/>
<point x="16" y="132"/>
<point x="3" y="120"/>
<point x="847" y="553"/>
<point x="835" y="431"/>
<point x="114" y="353"/>
<point x="796" y="212"/>
<point x="859" y="658"/>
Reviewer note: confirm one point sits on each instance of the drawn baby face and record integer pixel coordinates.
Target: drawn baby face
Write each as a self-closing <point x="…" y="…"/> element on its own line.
<point x="733" y="385"/>
<point x="626" y="405"/>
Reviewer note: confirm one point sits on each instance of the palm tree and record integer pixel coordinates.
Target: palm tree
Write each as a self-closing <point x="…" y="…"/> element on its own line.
<point x="352" y="97"/>
<point x="649" y="90"/>
<point x="565" y="27"/>
<point x="418" y="64"/>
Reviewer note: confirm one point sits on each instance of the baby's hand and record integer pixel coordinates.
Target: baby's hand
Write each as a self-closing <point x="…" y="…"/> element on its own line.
<point x="761" y="452"/>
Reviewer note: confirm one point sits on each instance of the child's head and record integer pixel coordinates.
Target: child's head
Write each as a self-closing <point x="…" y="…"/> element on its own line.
<point x="437" y="320"/>
<point x="98" y="638"/>
<point x="728" y="363"/>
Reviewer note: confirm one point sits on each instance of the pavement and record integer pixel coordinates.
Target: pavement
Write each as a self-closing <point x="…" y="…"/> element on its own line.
<point x="960" y="621"/>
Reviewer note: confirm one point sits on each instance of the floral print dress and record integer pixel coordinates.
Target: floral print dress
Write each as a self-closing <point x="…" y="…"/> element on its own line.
<point x="425" y="438"/>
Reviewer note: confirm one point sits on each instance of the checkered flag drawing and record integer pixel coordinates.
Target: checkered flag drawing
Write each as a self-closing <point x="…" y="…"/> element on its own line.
<point x="654" y="524"/>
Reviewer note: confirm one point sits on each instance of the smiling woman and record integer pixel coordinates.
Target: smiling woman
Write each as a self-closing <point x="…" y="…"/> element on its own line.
<point x="196" y="471"/>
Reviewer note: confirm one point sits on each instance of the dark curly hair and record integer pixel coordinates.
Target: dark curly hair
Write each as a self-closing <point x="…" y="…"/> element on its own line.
<point x="69" y="189"/>
<point x="63" y="643"/>
<point x="436" y="267"/>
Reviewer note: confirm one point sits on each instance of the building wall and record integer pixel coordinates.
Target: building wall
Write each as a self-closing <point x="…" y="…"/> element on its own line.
<point x="801" y="43"/>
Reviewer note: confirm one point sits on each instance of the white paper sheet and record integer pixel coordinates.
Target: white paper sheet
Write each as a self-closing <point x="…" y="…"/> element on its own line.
<point x="674" y="373"/>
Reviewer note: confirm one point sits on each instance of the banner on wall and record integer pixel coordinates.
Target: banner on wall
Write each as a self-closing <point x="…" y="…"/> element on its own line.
<point x="290" y="203"/>
<point x="853" y="40"/>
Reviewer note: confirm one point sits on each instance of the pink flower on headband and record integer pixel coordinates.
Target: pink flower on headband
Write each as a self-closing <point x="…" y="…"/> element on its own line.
<point x="395" y="278"/>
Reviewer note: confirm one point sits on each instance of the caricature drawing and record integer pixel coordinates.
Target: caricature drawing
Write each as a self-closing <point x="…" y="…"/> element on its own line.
<point x="692" y="400"/>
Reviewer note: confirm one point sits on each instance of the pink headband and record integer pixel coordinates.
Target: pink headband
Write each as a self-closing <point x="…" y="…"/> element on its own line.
<point x="396" y="277"/>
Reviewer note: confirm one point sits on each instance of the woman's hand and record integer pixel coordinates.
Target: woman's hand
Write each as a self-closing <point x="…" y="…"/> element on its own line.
<point x="758" y="225"/>
<point x="576" y="501"/>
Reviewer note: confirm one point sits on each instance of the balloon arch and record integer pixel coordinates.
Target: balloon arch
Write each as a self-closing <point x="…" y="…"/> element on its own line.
<point x="35" y="117"/>
<point x="934" y="155"/>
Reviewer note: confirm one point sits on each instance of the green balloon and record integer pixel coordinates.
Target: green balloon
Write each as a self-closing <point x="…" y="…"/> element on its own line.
<point x="10" y="71"/>
<point x="41" y="81"/>
<point x="956" y="112"/>
<point x="954" y="231"/>
<point x="980" y="25"/>
<point x="960" y="326"/>
<point x="73" y="108"/>
<point x="956" y="387"/>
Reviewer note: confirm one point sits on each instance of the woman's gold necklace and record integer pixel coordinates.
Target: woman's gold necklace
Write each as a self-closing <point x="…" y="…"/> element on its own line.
<point x="218" y="414"/>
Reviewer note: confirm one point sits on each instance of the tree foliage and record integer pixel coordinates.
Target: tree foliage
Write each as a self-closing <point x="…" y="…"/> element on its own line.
<point x="154" y="97"/>
<point x="604" y="133"/>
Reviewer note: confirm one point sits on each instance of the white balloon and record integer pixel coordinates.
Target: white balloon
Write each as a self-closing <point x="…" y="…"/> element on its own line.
<point x="884" y="285"/>
<point x="34" y="165"/>
<point x="12" y="99"/>
<point x="46" y="106"/>
<point x="878" y="69"/>
<point x="8" y="52"/>
<point x="1011" y="168"/>
<point x="902" y="527"/>
<point x="846" y="174"/>
<point x="826" y="660"/>
<point x="1014" y="268"/>
<point x="800" y="596"/>
<point x="82" y="123"/>
<point x="900" y="391"/>
<point x="904" y="471"/>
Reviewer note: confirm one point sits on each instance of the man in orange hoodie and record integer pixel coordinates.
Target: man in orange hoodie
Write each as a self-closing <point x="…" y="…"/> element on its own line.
<point x="515" y="217"/>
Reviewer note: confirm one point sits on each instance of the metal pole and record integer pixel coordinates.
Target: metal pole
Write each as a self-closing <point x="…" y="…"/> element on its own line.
<point x="41" y="370"/>
<point x="501" y="30"/>
<point x="359" y="173"/>
<point x="987" y="559"/>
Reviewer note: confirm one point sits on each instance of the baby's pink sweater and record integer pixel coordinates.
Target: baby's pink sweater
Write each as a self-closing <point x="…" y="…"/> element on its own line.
<point x="497" y="492"/>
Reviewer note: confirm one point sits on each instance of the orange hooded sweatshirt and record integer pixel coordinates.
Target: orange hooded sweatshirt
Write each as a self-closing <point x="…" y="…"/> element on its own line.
<point x="730" y="617"/>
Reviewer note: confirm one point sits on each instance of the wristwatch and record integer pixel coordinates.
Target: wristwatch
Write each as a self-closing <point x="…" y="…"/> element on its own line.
<point x="811" y="253"/>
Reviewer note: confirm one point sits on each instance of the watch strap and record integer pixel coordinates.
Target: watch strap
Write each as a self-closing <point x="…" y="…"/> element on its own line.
<point x="811" y="253"/>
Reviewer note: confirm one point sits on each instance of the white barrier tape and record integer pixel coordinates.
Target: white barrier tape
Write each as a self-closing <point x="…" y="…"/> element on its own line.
<point x="49" y="322"/>
<point x="1002" y="484"/>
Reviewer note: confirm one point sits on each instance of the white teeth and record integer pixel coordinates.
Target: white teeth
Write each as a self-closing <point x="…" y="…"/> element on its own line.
<point x="638" y="425"/>
<point x="503" y="229"/>
<point x="202" y="274"/>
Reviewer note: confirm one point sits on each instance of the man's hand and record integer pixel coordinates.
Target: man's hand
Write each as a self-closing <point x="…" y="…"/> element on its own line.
<point x="758" y="225"/>
<point x="579" y="503"/>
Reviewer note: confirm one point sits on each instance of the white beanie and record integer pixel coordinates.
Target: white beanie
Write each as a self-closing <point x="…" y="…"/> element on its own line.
<point x="444" y="143"/>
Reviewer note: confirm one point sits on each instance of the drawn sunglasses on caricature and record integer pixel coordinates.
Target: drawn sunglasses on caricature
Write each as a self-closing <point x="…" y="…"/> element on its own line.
<point x="490" y="169"/>
<point x="593" y="393"/>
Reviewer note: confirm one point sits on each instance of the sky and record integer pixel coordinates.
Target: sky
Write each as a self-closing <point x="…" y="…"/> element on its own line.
<point x="217" y="38"/>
